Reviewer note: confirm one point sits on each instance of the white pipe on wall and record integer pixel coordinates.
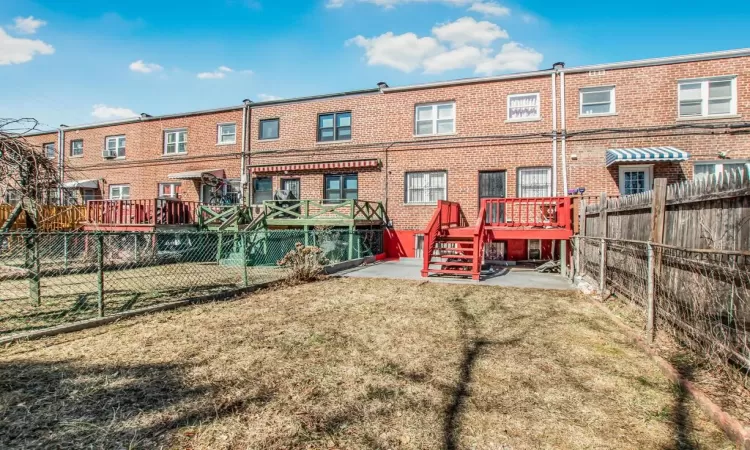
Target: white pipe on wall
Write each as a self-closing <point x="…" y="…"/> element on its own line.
<point x="564" y="132"/>
<point x="554" y="135"/>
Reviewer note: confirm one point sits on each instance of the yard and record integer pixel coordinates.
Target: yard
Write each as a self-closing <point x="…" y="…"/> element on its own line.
<point x="350" y="363"/>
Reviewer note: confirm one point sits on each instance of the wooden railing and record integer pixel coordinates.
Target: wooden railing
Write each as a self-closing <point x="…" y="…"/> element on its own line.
<point x="541" y="212"/>
<point x="223" y="217"/>
<point x="319" y="209"/>
<point x="51" y="217"/>
<point x="447" y="215"/>
<point x="141" y="212"/>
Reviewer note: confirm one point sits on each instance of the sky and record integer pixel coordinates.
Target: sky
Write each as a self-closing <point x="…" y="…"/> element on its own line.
<point x="73" y="62"/>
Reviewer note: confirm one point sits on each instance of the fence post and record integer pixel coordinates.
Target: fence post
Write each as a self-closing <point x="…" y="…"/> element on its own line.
<point x="135" y="248"/>
<point x="658" y="210"/>
<point x="65" y="251"/>
<point x="243" y="242"/>
<point x="351" y="243"/>
<point x="603" y="246"/>
<point x="650" y="306"/>
<point x="32" y="266"/>
<point x="100" y="273"/>
<point x="582" y="204"/>
<point x="563" y="258"/>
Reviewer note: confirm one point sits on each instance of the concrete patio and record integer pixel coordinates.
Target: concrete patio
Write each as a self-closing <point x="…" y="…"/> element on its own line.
<point x="409" y="269"/>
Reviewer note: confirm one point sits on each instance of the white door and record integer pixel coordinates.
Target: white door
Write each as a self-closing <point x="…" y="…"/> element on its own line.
<point x="635" y="179"/>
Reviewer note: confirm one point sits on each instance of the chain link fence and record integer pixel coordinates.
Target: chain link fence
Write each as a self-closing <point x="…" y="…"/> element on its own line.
<point x="702" y="297"/>
<point x="49" y="279"/>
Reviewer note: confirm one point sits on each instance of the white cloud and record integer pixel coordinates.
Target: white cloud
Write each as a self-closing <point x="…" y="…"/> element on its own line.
<point x="490" y="9"/>
<point x="528" y="18"/>
<point x="404" y="52"/>
<point x="144" y="67"/>
<point x="101" y="111"/>
<point x="225" y="69"/>
<point x="20" y="50"/>
<point x="28" y="25"/>
<point x="466" y="30"/>
<point x="458" y="58"/>
<point x="388" y="4"/>
<point x="512" y="57"/>
<point x="247" y="72"/>
<point x="268" y="97"/>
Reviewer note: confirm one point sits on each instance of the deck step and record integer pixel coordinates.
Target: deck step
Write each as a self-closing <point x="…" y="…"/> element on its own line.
<point x="468" y="257"/>
<point x="464" y="273"/>
<point x="451" y="263"/>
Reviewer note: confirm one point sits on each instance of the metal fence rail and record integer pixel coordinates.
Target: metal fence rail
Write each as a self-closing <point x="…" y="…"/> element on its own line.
<point x="700" y="296"/>
<point x="49" y="279"/>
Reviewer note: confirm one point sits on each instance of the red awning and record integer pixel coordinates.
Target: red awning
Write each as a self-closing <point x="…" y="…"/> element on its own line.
<point x="362" y="163"/>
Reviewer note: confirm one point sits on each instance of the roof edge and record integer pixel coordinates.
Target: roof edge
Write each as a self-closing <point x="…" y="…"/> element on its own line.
<point x="435" y="84"/>
<point x="315" y="97"/>
<point x="661" y="61"/>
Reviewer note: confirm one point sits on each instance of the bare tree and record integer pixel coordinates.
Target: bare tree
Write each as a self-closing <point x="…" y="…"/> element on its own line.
<point x="25" y="171"/>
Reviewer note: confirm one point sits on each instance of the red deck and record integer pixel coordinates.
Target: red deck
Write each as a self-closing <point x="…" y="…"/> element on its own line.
<point x="138" y="215"/>
<point x="457" y="248"/>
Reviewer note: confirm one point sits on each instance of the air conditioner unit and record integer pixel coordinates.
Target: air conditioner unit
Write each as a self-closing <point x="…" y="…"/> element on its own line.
<point x="109" y="153"/>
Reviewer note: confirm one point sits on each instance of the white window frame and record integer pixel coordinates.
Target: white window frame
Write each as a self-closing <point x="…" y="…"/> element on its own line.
<point x="426" y="177"/>
<point x="647" y="168"/>
<point x="112" y="187"/>
<point x="434" y="107"/>
<point x="117" y="145"/>
<point x="538" y="247"/>
<point x="518" y="180"/>
<point x="538" y="115"/>
<point x="219" y="134"/>
<point x="173" y="188"/>
<point x="591" y="89"/>
<point x="47" y="146"/>
<point x="73" y="155"/>
<point x="719" y="165"/>
<point x="177" y="142"/>
<point x="704" y="82"/>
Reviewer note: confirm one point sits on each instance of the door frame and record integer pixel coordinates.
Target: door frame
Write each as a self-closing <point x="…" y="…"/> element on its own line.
<point x="299" y="182"/>
<point x="647" y="168"/>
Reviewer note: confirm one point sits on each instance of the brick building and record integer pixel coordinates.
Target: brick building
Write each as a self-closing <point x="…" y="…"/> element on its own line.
<point x="609" y="128"/>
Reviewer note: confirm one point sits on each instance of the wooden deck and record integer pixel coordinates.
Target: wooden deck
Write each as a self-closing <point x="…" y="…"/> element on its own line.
<point x="306" y="213"/>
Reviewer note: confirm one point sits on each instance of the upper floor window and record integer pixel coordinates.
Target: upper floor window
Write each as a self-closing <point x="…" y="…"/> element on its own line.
<point x="596" y="101"/>
<point x="114" y="147"/>
<point x="119" y="192"/>
<point x="426" y="187"/>
<point x="707" y="97"/>
<point x="76" y="147"/>
<point x="175" y="142"/>
<point x="706" y="169"/>
<point x="269" y="129"/>
<point x="535" y="182"/>
<point x="169" y="190"/>
<point x="523" y="107"/>
<point x="335" y="127"/>
<point x="49" y="150"/>
<point x="439" y="118"/>
<point x="227" y="133"/>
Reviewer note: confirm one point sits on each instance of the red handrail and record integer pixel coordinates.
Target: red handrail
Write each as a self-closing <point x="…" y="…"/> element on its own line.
<point x="448" y="214"/>
<point x="478" y="243"/>
<point x="537" y="212"/>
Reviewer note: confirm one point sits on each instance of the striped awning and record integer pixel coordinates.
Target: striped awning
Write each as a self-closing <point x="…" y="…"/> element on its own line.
<point x="301" y="167"/>
<point x="642" y="154"/>
<point x="195" y="174"/>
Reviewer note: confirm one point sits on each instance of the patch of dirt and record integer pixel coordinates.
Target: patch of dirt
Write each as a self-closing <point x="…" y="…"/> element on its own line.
<point x="348" y="364"/>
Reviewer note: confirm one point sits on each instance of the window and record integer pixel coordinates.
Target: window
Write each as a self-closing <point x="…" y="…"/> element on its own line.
<point x="89" y="194"/>
<point x="535" y="182"/>
<point x="76" y="147"/>
<point x="115" y="147"/>
<point x="335" y="127"/>
<point x="426" y="187"/>
<point x="523" y="107"/>
<point x="169" y="190"/>
<point x="227" y="133"/>
<point x="709" y="97"/>
<point x="262" y="190"/>
<point x="635" y="179"/>
<point x="175" y="142"/>
<point x="49" y="150"/>
<point x="598" y="100"/>
<point x="706" y="169"/>
<point x="535" y="249"/>
<point x="269" y="129"/>
<point x="292" y="185"/>
<point x="439" y="118"/>
<point x="119" y="192"/>
<point x="340" y="187"/>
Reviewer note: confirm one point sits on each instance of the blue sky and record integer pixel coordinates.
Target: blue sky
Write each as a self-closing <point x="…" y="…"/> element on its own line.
<point x="84" y="61"/>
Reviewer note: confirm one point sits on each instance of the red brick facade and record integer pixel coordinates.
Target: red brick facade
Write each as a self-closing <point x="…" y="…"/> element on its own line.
<point x="383" y="128"/>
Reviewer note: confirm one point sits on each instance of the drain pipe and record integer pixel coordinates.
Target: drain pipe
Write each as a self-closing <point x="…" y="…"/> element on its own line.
<point x="244" y="175"/>
<point x="554" y="134"/>
<point x="61" y="163"/>
<point x="560" y="67"/>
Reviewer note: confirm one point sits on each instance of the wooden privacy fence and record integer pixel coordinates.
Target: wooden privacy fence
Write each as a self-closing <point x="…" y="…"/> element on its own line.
<point x="681" y="254"/>
<point x="51" y="217"/>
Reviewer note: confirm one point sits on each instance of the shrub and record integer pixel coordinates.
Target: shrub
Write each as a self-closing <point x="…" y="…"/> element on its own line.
<point x="305" y="263"/>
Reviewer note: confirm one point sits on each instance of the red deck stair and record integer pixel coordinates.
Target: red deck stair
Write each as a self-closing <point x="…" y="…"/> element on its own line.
<point x="451" y="247"/>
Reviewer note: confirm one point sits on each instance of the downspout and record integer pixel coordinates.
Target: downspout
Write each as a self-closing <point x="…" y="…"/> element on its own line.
<point x="554" y="135"/>
<point x="61" y="163"/>
<point x="564" y="131"/>
<point x="244" y="175"/>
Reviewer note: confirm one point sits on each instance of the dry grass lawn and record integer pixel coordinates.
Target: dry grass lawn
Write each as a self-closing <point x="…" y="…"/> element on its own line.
<point x="350" y="363"/>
